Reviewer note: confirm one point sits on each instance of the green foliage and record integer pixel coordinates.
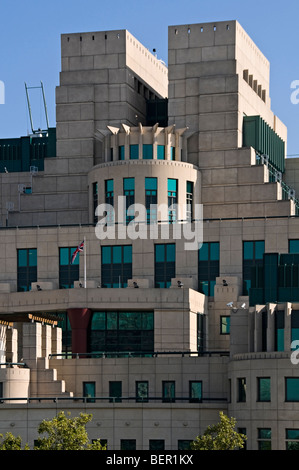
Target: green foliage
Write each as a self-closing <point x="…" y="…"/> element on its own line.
<point x="65" y="433"/>
<point x="220" y="436"/>
<point x="10" y="442"/>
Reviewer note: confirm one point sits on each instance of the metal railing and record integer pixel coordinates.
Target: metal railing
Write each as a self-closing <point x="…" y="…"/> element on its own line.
<point x="136" y="354"/>
<point x="123" y="399"/>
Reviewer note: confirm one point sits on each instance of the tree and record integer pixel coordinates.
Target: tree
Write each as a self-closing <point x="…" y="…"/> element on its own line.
<point x="220" y="436"/>
<point x="66" y="434"/>
<point x="10" y="442"/>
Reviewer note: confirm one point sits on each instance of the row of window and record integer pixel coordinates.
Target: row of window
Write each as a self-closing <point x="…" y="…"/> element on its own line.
<point x="264" y="436"/>
<point x="264" y="389"/>
<point x="147" y="152"/>
<point x="151" y="198"/>
<point x="142" y="391"/>
<point x="117" y="265"/>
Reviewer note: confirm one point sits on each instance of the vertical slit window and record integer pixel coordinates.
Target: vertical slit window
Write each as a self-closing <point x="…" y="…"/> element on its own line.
<point x="121" y="152"/>
<point x="189" y="201"/>
<point x="279" y="331"/>
<point x="129" y="193"/>
<point x="95" y="201"/>
<point x="109" y="199"/>
<point x="172" y="188"/>
<point x="151" y="200"/>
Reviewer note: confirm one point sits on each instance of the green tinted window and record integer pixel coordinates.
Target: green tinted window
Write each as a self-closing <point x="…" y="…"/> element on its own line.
<point x="161" y="152"/>
<point x="293" y="246"/>
<point x="129" y="184"/>
<point x="134" y="152"/>
<point x="151" y="184"/>
<point x="106" y="255"/>
<point x="147" y="151"/>
<point x="224" y="325"/>
<point x="195" y="391"/>
<point x="264" y="389"/>
<point x="121" y="152"/>
<point x="292" y="389"/>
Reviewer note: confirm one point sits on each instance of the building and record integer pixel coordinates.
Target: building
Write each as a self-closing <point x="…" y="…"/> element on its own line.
<point x="151" y="336"/>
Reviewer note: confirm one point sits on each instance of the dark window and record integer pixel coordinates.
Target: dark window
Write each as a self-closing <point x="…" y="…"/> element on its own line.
<point x="156" y="444"/>
<point x="292" y="439"/>
<point x="95" y="201"/>
<point x="253" y="252"/>
<point x="126" y="332"/>
<point x="189" y="201"/>
<point x="172" y="153"/>
<point x="128" y="444"/>
<point x="279" y="331"/>
<point x="109" y="199"/>
<point x="1" y="389"/>
<point x="89" y="391"/>
<point x="208" y="267"/>
<point x="115" y="391"/>
<point x="224" y="325"/>
<point x="164" y="264"/>
<point x="263" y="389"/>
<point x="242" y="390"/>
<point x="295" y="326"/>
<point x="172" y="188"/>
<point x="27" y="268"/>
<point x="142" y="391"/>
<point x="195" y="391"/>
<point x="168" y="390"/>
<point x="292" y="389"/>
<point x="184" y="444"/>
<point x="151" y="199"/>
<point x="116" y="265"/>
<point x="129" y="193"/>
<point x="68" y="273"/>
<point x="264" y="439"/>
<point x="64" y="324"/>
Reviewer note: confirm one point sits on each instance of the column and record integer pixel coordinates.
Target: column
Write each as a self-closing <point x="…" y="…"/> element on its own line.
<point x="79" y="320"/>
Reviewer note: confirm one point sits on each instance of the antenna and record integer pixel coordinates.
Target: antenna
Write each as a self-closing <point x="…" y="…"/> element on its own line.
<point x="41" y="87"/>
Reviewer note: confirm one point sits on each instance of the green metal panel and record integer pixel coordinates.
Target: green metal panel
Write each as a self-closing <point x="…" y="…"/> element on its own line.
<point x="259" y="135"/>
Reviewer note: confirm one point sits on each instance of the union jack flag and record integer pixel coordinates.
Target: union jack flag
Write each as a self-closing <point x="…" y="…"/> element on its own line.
<point x="77" y="250"/>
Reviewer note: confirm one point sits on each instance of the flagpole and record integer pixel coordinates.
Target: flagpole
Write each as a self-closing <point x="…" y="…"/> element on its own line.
<point x="84" y="252"/>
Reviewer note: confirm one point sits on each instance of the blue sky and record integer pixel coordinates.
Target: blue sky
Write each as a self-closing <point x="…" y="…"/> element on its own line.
<point x="30" y="45"/>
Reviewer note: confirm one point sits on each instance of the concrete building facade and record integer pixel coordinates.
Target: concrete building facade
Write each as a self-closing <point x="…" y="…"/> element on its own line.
<point x="190" y="309"/>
